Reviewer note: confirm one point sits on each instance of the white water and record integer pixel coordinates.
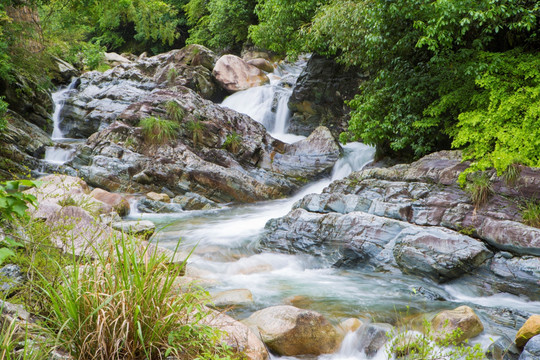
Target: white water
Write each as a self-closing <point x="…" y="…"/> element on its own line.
<point x="268" y="104"/>
<point x="64" y="149"/>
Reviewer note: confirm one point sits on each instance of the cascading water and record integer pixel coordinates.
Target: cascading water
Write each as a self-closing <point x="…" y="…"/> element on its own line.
<point x="64" y="148"/>
<point x="268" y="104"/>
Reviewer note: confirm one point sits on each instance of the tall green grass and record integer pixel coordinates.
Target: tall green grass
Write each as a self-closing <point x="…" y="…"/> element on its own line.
<point x="158" y="131"/>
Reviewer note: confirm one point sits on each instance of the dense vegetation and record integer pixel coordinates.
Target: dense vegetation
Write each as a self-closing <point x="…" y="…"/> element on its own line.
<point x="442" y="74"/>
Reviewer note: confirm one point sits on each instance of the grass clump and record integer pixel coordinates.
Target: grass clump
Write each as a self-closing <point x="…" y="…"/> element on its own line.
<point x="531" y="213"/>
<point x="479" y="188"/>
<point x="196" y="128"/>
<point x="511" y="174"/>
<point x="157" y="130"/>
<point x="233" y="142"/>
<point x="172" y="74"/>
<point x="174" y="111"/>
<point x="127" y="306"/>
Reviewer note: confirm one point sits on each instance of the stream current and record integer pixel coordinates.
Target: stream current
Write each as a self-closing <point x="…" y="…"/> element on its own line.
<point x="228" y="254"/>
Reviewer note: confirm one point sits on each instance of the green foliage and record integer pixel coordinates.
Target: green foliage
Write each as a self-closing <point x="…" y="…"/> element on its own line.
<point x="13" y="202"/>
<point x="130" y="293"/>
<point x="429" y="345"/>
<point x="479" y="188"/>
<point x="16" y="343"/>
<point x="280" y="22"/>
<point x="531" y="213"/>
<point x="219" y="24"/>
<point x="3" y="112"/>
<point x="175" y="112"/>
<point x="233" y="142"/>
<point x="158" y="131"/>
<point x="196" y="127"/>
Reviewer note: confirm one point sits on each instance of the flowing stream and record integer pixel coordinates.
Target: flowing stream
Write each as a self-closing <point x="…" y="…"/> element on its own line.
<point x="228" y="254"/>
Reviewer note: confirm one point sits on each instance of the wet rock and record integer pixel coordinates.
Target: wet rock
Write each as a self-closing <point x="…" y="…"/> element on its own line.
<point x="440" y="254"/>
<point x="290" y="331"/>
<point x="234" y="74"/>
<point x="158" y="207"/>
<point x="116" y="201"/>
<point x="143" y="228"/>
<point x="192" y="201"/>
<point x="530" y="329"/>
<point x="262" y="64"/>
<point x="503" y="349"/>
<point x="158" y="197"/>
<point x="463" y="317"/>
<point x="65" y="71"/>
<point x="372" y="337"/>
<point x="319" y="95"/>
<point x="238" y="297"/>
<point x="10" y="278"/>
<point x="349" y="325"/>
<point x="531" y="350"/>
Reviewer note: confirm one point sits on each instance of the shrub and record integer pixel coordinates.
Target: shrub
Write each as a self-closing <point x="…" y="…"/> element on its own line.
<point x="428" y="346"/>
<point x="126" y="306"/>
<point x="479" y="188"/>
<point x="196" y="127"/>
<point x="232" y="142"/>
<point x="174" y="111"/>
<point x="531" y="214"/>
<point x="158" y="131"/>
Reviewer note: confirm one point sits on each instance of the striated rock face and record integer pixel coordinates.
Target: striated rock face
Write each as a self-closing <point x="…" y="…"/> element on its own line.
<point x="104" y="96"/>
<point x="259" y="167"/>
<point x="290" y="331"/>
<point x="234" y="74"/>
<point x="319" y="95"/>
<point x="416" y="219"/>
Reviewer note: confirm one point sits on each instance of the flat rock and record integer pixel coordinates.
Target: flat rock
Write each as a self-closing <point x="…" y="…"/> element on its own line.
<point x="237" y="297"/>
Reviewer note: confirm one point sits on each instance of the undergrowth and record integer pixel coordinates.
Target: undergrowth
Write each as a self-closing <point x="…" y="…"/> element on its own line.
<point x="158" y="131"/>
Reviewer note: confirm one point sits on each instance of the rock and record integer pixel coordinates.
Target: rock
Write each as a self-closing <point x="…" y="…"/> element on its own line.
<point x="158" y="197"/>
<point x="290" y="331"/>
<point x="234" y="74"/>
<point x="349" y="325"/>
<point x="143" y="228"/>
<point x="532" y="349"/>
<point x="113" y="59"/>
<point x="158" y="207"/>
<point x="463" y="318"/>
<point x="372" y="337"/>
<point x="65" y="71"/>
<point x="439" y="254"/>
<point x="108" y="219"/>
<point x="116" y="201"/>
<point x="319" y="95"/>
<point x="250" y="54"/>
<point x="239" y="297"/>
<point x="192" y="201"/>
<point x="238" y="335"/>
<point x="12" y="312"/>
<point x="197" y="55"/>
<point x="503" y="349"/>
<point x="262" y="64"/>
<point x="530" y="329"/>
<point x="10" y="278"/>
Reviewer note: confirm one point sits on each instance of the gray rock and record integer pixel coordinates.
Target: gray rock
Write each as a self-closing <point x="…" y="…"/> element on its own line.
<point x="10" y="277"/>
<point x="158" y="207"/>
<point x="237" y="297"/>
<point x="531" y="350"/>
<point x="372" y="337"/>
<point x="192" y="201"/>
<point x="503" y="349"/>
<point x="139" y="227"/>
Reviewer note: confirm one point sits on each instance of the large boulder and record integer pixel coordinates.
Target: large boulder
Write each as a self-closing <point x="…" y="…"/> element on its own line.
<point x="238" y="335"/>
<point x="234" y="74"/>
<point x="530" y="329"/>
<point x="463" y="318"/>
<point x="531" y="350"/>
<point x="290" y="331"/>
<point x="262" y="64"/>
<point x="116" y="201"/>
<point x="319" y="95"/>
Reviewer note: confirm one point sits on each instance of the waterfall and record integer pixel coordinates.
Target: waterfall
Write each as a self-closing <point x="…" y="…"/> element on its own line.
<point x="64" y="148"/>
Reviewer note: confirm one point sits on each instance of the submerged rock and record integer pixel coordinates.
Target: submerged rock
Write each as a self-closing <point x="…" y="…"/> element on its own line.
<point x="290" y="331"/>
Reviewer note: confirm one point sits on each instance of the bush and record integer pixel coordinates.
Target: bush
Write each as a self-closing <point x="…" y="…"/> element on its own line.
<point x="232" y="142"/>
<point x="531" y="213"/>
<point x="127" y="306"/>
<point x="158" y="131"/>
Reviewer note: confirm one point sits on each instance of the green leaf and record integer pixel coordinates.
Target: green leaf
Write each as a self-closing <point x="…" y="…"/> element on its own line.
<point x="5" y="253"/>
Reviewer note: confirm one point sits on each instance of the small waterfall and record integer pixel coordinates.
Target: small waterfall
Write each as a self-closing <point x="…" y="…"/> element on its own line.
<point x="356" y="156"/>
<point x="268" y="104"/>
<point x="64" y="148"/>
